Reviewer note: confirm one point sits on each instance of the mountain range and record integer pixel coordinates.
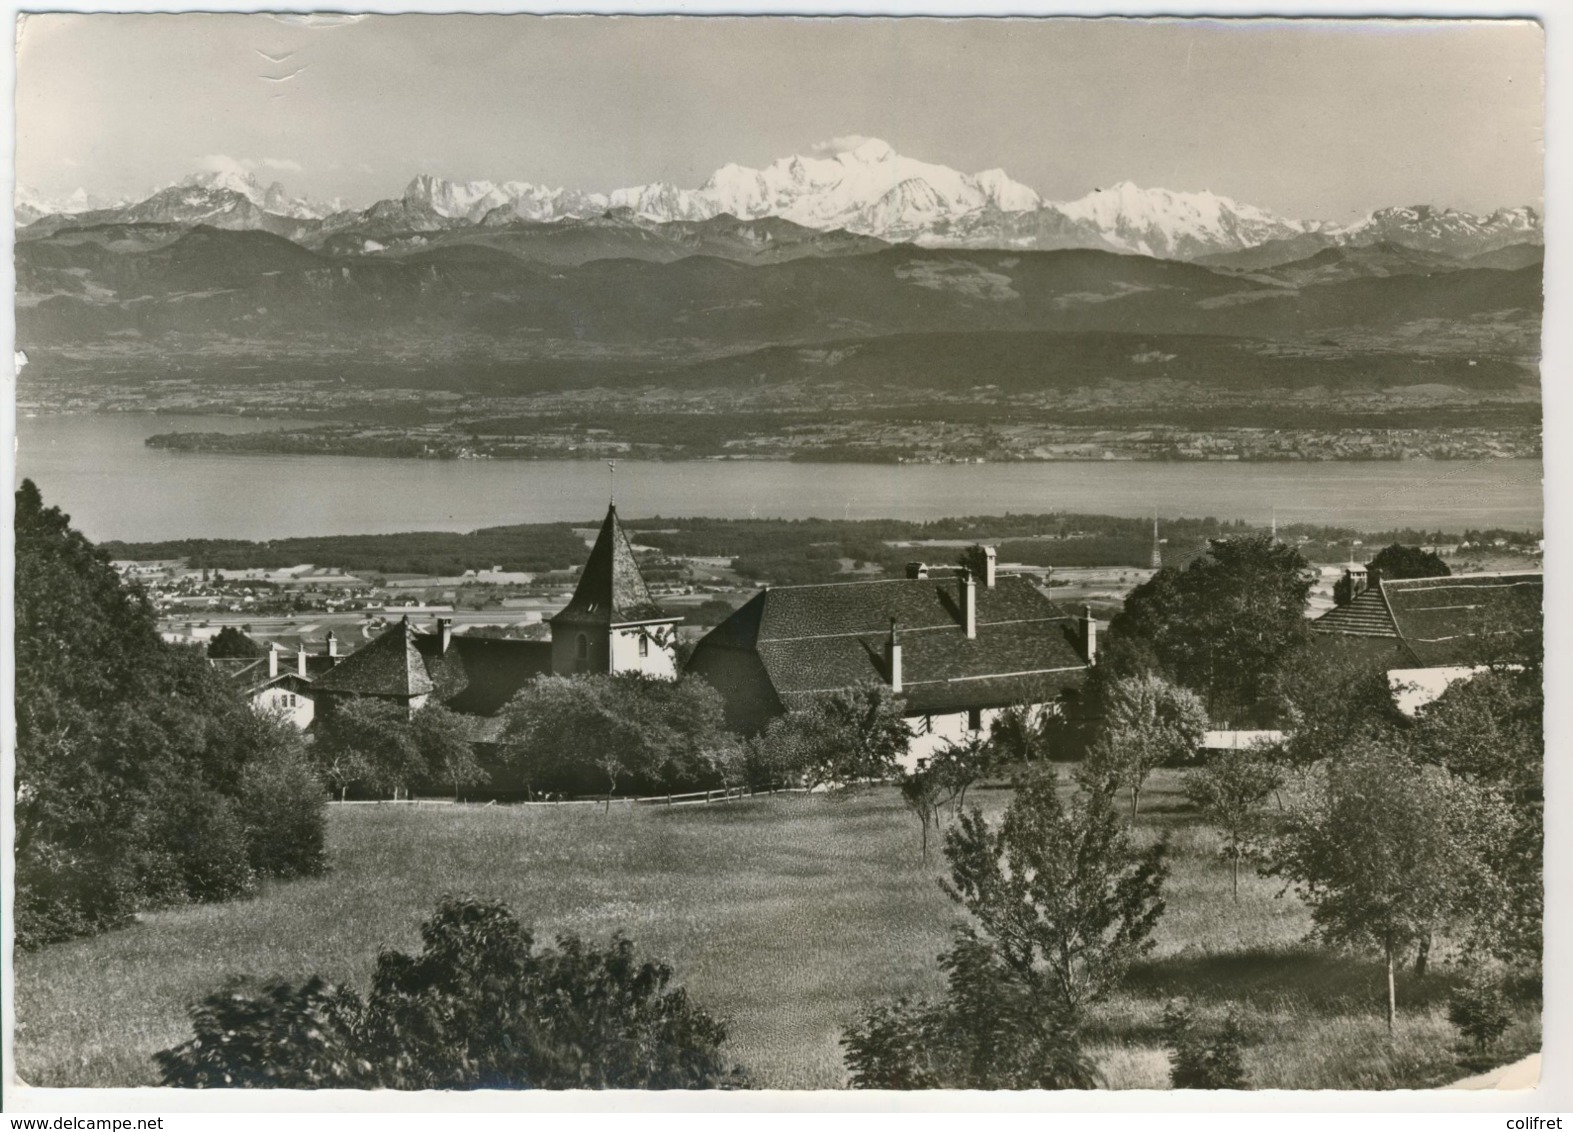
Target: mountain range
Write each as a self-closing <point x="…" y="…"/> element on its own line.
<point x="862" y="190"/>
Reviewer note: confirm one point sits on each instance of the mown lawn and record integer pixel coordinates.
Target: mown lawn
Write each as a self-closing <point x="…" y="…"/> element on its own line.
<point x="782" y="915"/>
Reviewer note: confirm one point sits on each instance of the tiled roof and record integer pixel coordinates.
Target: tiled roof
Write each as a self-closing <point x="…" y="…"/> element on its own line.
<point x="818" y="638"/>
<point x="250" y="674"/>
<point x="1366" y="616"/>
<point x="611" y="590"/>
<point x="478" y="675"/>
<point x="1442" y="621"/>
<point x="390" y="665"/>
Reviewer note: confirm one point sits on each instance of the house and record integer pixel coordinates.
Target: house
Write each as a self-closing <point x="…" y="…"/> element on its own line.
<point x="1430" y="632"/>
<point x="269" y="685"/>
<point x="610" y="625"/>
<point x="958" y="645"/>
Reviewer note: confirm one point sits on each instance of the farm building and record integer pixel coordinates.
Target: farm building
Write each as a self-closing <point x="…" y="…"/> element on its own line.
<point x="1430" y="632"/>
<point x="958" y="645"/>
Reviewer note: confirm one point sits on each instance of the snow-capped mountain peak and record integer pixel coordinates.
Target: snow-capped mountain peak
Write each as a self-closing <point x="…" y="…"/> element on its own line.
<point x="270" y="198"/>
<point x="31" y="205"/>
<point x="1005" y="194"/>
<point x="870" y="151"/>
<point x="1165" y="223"/>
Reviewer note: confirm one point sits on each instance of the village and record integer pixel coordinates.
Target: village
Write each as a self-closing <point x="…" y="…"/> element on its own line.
<point x="319" y="629"/>
<point x="609" y="712"/>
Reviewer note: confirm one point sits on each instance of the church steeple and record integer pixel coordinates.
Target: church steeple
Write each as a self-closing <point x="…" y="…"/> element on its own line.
<point x="611" y="589"/>
<point x="612" y="623"/>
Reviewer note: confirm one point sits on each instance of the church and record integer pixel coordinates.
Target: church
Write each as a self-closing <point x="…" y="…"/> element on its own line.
<point x="959" y="644"/>
<point x="611" y="625"/>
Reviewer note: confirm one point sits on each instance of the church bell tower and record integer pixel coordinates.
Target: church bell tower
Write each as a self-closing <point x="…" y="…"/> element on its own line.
<point x="613" y="624"/>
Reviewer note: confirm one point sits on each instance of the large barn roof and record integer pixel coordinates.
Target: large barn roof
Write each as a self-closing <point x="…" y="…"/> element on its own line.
<point x="611" y="590"/>
<point x="1444" y="621"/>
<point x="390" y="665"/>
<point x="478" y="675"/>
<point x="818" y="638"/>
<point x="475" y="676"/>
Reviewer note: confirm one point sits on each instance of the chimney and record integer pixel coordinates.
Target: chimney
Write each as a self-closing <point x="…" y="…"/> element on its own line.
<point x="1089" y="635"/>
<point x="300" y="661"/>
<point x="969" y="603"/>
<point x="1354" y="582"/>
<point x="917" y="571"/>
<point x="273" y="659"/>
<point x="981" y="561"/>
<point x="333" y="646"/>
<point x="444" y="635"/>
<point x="893" y="657"/>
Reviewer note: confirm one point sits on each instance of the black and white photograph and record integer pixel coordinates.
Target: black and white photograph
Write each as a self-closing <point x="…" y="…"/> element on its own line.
<point x="637" y="552"/>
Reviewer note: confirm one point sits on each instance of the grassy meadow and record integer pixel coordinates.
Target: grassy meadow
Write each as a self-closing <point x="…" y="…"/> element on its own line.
<point x="783" y="915"/>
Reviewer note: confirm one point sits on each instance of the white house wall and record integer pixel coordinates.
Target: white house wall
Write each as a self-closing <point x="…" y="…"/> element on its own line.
<point x="932" y="733"/>
<point x="293" y="706"/>
<point x="660" y="660"/>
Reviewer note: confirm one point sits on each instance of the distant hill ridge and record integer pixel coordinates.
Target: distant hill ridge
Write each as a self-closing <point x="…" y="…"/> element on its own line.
<point x="123" y="290"/>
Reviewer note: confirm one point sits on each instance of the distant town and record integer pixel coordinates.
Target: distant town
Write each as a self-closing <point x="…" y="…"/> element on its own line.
<point x="297" y="603"/>
<point x="1187" y="423"/>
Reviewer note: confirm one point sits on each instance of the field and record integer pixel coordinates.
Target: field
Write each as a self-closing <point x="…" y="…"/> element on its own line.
<point x="783" y="915"/>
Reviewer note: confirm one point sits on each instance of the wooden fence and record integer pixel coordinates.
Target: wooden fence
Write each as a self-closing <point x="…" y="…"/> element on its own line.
<point x="695" y="798"/>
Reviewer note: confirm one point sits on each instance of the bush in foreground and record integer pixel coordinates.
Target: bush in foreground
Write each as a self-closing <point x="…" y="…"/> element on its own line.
<point x="1480" y="1011"/>
<point x="1199" y="1059"/>
<point x="479" y="1008"/>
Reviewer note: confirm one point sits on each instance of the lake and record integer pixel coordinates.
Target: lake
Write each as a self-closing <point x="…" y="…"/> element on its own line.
<point x="97" y="468"/>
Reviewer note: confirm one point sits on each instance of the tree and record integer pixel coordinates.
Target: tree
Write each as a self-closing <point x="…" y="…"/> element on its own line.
<point x="337" y="753"/>
<point x="133" y="756"/>
<point x="1222" y="625"/>
<point x="1328" y="693"/>
<point x="479" y="1008"/>
<point x="442" y="743"/>
<point x="1058" y="890"/>
<point x="281" y="805"/>
<point x="1228" y="789"/>
<point x="920" y="791"/>
<point x="957" y="767"/>
<point x="1398" y="561"/>
<point x="575" y="732"/>
<point x="1062" y="905"/>
<point x="840" y="738"/>
<point x="1386" y="853"/>
<point x="231" y="642"/>
<point x="367" y="740"/>
<point x="1489" y="730"/>
<point x="726" y="758"/>
<point x="1020" y="733"/>
<point x="1147" y="722"/>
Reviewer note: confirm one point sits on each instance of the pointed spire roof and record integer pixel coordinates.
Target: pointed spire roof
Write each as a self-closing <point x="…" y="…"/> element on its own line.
<point x="611" y="590"/>
<point x="391" y="665"/>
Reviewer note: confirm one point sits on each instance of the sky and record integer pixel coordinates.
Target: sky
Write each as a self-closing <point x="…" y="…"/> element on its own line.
<point x="1310" y="119"/>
